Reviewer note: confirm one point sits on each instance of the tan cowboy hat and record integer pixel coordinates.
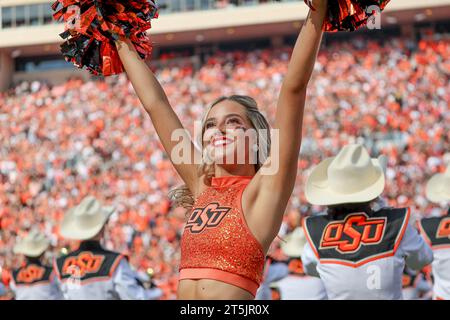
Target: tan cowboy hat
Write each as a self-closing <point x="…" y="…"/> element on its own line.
<point x="85" y="220"/>
<point x="295" y="242"/>
<point x="438" y="187"/>
<point x="32" y="245"/>
<point x="350" y="177"/>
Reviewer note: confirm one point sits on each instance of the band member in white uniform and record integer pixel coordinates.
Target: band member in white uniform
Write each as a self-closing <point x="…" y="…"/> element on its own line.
<point x="34" y="280"/>
<point x="92" y="272"/>
<point x="436" y="231"/>
<point x="297" y="285"/>
<point x="358" y="253"/>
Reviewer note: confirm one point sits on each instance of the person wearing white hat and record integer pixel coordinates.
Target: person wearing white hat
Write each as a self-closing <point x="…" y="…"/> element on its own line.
<point x="297" y="285"/>
<point x="34" y="280"/>
<point x="359" y="253"/>
<point x="436" y="231"/>
<point x="92" y="272"/>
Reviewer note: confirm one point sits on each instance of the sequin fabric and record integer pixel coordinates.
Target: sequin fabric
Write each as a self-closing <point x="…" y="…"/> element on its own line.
<point x="224" y="242"/>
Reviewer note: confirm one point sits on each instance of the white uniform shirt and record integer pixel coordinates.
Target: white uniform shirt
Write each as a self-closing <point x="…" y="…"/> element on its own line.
<point x="35" y="282"/>
<point x="374" y="274"/>
<point x="121" y="286"/>
<point x="92" y="273"/>
<point x="441" y="274"/>
<point x="436" y="231"/>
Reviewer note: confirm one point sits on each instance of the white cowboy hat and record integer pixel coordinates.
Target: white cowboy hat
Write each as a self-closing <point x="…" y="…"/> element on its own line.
<point x="85" y="220"/>
<point x="32" y="245"/>
<point x="295" y="242"/>
<point x="438" y="187"/>
<point x="350" y="177"/>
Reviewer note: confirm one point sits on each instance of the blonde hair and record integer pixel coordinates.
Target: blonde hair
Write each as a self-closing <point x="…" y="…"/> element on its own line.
<point x="182" y="196"/>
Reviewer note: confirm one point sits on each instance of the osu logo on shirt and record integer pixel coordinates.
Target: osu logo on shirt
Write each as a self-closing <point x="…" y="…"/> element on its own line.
<point x="443" y="230"/>
<point x="30" y="274"/>
<point x="82" y="264"/>
<point x="207" y="217"/>
<point x="348" y="235"/>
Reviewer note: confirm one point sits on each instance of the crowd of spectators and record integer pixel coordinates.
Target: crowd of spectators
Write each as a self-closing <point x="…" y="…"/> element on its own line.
<point x="60" y="143"/>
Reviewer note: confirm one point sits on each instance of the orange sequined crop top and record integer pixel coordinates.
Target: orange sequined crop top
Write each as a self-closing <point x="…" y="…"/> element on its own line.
<point x="217" y="243"/>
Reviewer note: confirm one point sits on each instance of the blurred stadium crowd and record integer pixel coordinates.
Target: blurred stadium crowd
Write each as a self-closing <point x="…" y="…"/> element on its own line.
<point x="64" y="142"/>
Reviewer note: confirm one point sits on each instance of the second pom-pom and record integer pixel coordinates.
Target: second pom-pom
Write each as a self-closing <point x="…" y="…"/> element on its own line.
<point x="349" y="15"/>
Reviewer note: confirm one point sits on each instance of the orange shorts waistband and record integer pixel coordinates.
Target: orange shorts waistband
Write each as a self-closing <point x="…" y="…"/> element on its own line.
<point x="220" y="275"/>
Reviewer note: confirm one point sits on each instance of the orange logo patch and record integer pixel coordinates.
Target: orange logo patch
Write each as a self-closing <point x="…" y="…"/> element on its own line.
<point x="82" y="264"/>
<point x="207" y="217"/>
<point x="443" y="230"/>
<point x="371" y="233"/>
<point x="30" y="274"/>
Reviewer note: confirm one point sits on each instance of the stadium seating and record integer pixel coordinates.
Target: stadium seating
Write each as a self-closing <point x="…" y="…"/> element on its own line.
<point x="63" y="142"/>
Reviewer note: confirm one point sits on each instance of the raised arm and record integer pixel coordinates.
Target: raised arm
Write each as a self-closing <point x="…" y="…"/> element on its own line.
<point x="291" y="102"/>
<point x="155" y="102"/>
<point x="271" y="192"/>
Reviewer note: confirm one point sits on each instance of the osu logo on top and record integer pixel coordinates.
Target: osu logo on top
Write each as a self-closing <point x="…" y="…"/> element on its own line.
<point x="82" y="264"/>
<point x="443" y="230"/>
<point x="347" y="236"/>
<point x="207" y="217"/>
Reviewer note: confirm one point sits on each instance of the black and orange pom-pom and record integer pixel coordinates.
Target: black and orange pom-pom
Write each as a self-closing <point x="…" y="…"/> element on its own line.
<point x="349" y="15"/>
<point x="92" y="26"/>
